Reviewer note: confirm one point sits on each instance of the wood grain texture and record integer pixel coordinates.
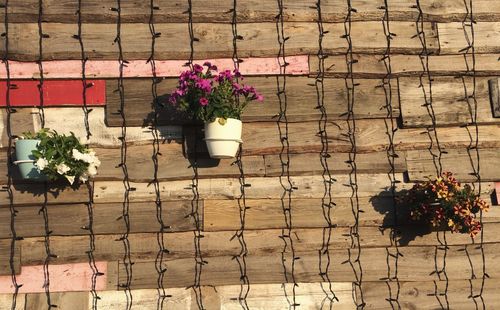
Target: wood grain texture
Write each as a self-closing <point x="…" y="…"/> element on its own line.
<point x="215" y="40"/>
<point x="421" y="166"/>
<point x="421" y="295"/>
<point x="448" y="101"/>
<point x="72" y="69"/>
<point x="5" y="253"/>
<point x="259" y="138"/>
<point x="494" y="88"/>
<point x="301" y="95"/>
<point x="65" y="277"/>
<point x="370" y="66"/>
<point x="486" y="39"/>
<point x="95" y="11"/>
<point x="262" y="296"/>
<point x="67" y="220"/>
<point x="261" y="188"/>
<point x="174" y="165"/>
<point x="144" y="246"/>
<point x="415" y="265"/>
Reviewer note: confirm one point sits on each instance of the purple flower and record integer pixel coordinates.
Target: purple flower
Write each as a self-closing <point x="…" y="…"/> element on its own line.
<point x="203" y="101"/>
<point x="259" y="97"/>
<point x="207" y="64"/>
<point x="197" y="68"/>
<point x="205" y="85"/>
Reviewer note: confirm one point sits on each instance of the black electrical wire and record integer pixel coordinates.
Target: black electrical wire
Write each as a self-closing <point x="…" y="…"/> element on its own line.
<point x="473" y="148"/>
<point x="288" y="251"/>
<point x="195" y="201"/>
<point x="426" y="78"/>
<point x="10" y="160"/>
<point x="242" y="206"/>
<point x="160" y="264"/>
<point x="391" y="129"/>
<point x="327" y="203"/>
<point x="127" y="260"/>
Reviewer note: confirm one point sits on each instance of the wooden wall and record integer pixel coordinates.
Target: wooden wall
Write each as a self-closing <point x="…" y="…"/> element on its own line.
<point x="430" y="275"/>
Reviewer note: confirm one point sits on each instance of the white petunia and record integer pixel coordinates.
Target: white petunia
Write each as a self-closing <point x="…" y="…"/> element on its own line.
<point x="70" y="178"/>
<point x="92" y="170"/>
<point x="41" y="163"/>
<point x="84" y="177"/>
<point x="77" y="154"/>
<point x="62" y="169"/>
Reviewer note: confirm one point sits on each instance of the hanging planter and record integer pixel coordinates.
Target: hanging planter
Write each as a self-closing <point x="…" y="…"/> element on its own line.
<point x="444" y="204"/>
<point x="25" y="160"/>
<point x="218" y="100"/>
<point x="223" y="137"/>
<point x="49" y="156"/>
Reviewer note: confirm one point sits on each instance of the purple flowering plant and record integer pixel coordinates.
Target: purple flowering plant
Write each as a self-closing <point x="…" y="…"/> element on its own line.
<point x="206" y="93"/>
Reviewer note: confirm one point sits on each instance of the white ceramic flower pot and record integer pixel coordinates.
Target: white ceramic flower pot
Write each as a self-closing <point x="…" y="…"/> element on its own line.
<point x="223" y="137"/>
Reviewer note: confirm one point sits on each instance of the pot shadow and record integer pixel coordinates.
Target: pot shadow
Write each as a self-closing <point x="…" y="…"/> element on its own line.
<point x="398" y="217"/>
<point x="195" y="149"/>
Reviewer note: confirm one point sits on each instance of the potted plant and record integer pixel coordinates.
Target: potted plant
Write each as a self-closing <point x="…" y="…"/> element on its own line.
<point x="48" y="155"/>
<point x="443" y="202"/>
<point x="217" y="99"/>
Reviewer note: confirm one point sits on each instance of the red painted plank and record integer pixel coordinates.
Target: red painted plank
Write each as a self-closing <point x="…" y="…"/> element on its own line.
<point x="55" y="93"/>
<point x="63" y="278"/>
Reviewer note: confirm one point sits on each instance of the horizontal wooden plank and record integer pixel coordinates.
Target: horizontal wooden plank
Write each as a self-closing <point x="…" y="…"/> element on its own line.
<point x="222" y="188"/>
<point x="144" y="246"/>
<point x="486" y="37"/>
<point x="67" y="220"/>
<point x="310" y="164"/>
<point x="416" y="264"/>
<point x="268" y="213"/>
<point x="248" y="11"/>
<point x="72" y="69"/>
<point x="269" y="187"/>
<point x="371" y="66"/>
<point x="215" y="40"/>
<point x="421" y="166"/>
<point x="448" y="101"/>
<point x="259" y="138"/>
<point x="55" y="93"/>
<point x="422" y="295"/>
<point x="173" y="165"/>
<point x="66" y="120"/>
<point x="494" y="88"/>
<point x="302" y="99"/>
<point x="67" y="277"/>
<point x="5" y="254"/>
<point x="261" y="296"/>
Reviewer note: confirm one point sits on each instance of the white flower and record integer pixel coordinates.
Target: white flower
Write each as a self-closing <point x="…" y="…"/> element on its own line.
<point x="70" y="178"/>
<point x="92" y="170"/>
<point x="41" y="163"/>
<point x="62" y="169"/>
<point x="84" y="177"/>
<point x="88" y="158"/>
<point x="77" y="155"/>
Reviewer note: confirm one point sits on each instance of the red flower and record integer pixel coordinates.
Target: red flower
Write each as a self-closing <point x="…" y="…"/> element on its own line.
<point x="203" y="101"/>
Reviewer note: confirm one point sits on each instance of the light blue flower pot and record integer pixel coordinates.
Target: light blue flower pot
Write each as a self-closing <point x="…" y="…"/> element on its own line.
<point x="26" y="161"/>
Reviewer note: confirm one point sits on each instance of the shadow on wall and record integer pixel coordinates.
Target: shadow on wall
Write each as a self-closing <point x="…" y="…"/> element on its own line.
<point x="400" y="220"/>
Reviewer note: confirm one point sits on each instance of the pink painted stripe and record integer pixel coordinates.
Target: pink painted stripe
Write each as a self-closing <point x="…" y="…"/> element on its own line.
<point x="72" y="69"/>
<point x="63" y="278"/>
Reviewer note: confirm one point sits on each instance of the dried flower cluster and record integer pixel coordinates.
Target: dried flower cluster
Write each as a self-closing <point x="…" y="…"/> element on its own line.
<point x="444" y="202"/>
